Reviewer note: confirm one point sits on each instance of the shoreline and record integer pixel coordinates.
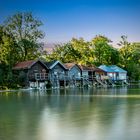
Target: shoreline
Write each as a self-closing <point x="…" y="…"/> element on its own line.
<point x="29" y="89"/>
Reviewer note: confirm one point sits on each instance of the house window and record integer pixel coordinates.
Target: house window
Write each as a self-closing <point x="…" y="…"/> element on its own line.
<point x="43" y="70"/>
<point x="55" y="72"/>
<point x="35" y="71"/>
<point x="79" y="74"/>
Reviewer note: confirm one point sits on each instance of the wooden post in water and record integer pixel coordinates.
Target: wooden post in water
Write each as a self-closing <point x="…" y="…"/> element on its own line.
<point x="64" y="82"/>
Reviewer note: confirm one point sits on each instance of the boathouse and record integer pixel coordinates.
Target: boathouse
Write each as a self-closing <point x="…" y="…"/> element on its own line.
<point x="91" y="72"/>
<point x="109" y="72"/>
<point x="32" y="73"/>
<point x="57" y="73"/>
<point x="74" y="74"/>
<point x="74" y="71"/>
<point x="121" y="74"/>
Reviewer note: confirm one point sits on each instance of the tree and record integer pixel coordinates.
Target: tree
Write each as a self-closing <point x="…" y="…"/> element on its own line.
<point x="125" y="51"/>
<point x="19" y="41"/>
<point x="64" y="52"/>
<point x="104" y="53"/>
<point x="24" y="28"/>
<point x="77" y="50"/>
<point x="130" y="57"/>
<point x="8" y="47"/>
<point x="8" y="57"/>
<point x="84" y="50"/>
<point x="136" y="52"/>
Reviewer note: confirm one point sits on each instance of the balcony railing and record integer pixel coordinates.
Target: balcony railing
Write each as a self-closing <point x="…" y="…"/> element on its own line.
<point x="38" y="76"/>
<point x="41" y="76"/>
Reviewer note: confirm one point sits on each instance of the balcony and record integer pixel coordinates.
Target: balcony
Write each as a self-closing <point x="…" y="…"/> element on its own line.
<point x="38" y="76"/>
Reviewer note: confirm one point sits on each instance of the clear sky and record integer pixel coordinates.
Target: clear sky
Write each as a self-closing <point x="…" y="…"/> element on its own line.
<point x="64" y="19"/>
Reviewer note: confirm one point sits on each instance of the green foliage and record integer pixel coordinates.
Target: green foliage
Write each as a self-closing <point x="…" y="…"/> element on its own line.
<point x="104" y="53"/>
<point x="24" y="28"/>
<point x="130" y="57"/>
<point x="133" y="71"/>
<point x="83" y="50"/>
<point x="19" y="41"/>
<point x="97" y="52"/>
<point x="77" y="50"/>
<point x="8" y="47"/>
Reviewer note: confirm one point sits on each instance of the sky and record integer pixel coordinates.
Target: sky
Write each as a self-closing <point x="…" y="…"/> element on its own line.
<point x="64" y="19"/>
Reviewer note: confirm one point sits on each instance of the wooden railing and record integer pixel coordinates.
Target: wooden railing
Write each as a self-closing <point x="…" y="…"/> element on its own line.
<point x="41" y="76"/>
<point x="38" y="76"/>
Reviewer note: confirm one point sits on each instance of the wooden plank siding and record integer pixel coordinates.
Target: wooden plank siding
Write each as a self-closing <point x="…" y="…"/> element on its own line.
<point x="31" y="71"/>
<point x="74" y="71"/>
<point x="38" y="72"/>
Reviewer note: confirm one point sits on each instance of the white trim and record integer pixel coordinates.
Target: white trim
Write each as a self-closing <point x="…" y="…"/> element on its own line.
<point x="36" y="62"/>
<point x="54" y="64"/>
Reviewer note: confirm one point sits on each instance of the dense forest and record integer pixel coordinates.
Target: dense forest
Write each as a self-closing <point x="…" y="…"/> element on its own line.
<point x="20" y="38"/>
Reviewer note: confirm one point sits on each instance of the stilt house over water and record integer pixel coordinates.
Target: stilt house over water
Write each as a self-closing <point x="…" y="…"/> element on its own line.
<point x="91" y="72"/>
<point x="32" y="73"/>
<point x="38" y="74"/>
<point x="57" y="73"/>
<point x="121" y="74"/>
<point x="114" y="72"/>
<point x="109" y="72"/>
<point x="74" y="71"/>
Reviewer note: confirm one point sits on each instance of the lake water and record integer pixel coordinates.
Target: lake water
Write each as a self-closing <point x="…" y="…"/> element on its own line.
<point x="74" y="114"/>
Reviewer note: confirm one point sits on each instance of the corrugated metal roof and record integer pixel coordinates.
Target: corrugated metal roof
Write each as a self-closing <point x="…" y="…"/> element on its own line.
<point x="112" y="68"/>
<point x="106" y="68"/>
<point x="117" y="69"/>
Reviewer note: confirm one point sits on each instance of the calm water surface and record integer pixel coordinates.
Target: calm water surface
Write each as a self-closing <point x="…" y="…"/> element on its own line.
<point x="74" y="114"/>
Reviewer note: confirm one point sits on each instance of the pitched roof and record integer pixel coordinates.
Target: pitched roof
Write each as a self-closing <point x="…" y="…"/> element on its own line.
<point x="53" y="63"/>
<point x="26" y="64"/>
<point x="90" y="68"/>
<point x="117" y="69"/>
<point x="69" y="65"/>
<point x="106" y="68"/>
<point x="50" y="63"/>
<point x="99" y="70"/>
<point x="85" y="68"/>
